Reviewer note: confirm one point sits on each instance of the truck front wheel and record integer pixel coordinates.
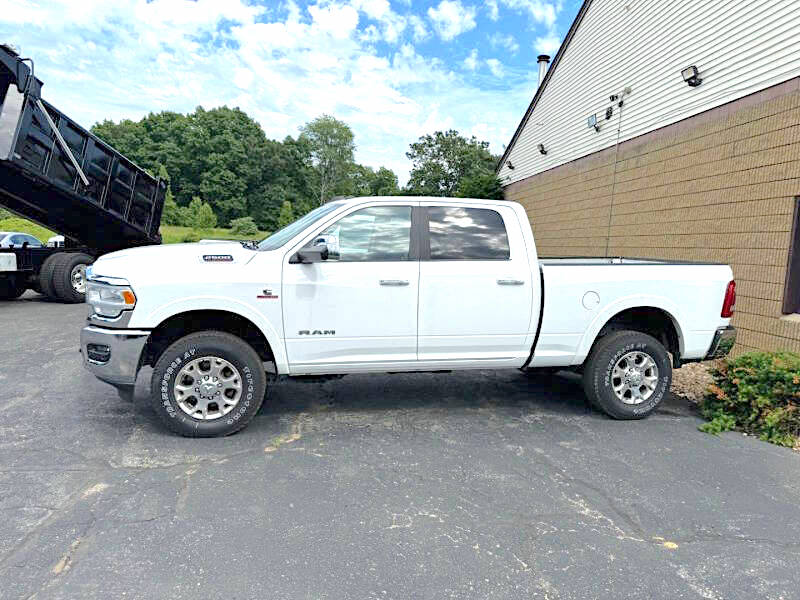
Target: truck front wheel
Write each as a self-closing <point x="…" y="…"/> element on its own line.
<point x="627" y="374"/>
<point x="208" y="384"/>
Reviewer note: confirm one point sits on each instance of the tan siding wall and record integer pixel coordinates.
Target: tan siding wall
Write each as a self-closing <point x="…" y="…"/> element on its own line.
<point x="720" y="186"/>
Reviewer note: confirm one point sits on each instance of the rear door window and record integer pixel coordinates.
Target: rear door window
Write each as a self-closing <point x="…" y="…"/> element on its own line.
<point x="458" y="233"/>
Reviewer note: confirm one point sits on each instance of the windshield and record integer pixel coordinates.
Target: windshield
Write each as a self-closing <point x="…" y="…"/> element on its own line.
<point x="280" y="237"/>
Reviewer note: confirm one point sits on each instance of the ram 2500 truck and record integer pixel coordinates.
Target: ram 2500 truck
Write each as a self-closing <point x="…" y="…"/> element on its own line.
<point x="393" y="284"/>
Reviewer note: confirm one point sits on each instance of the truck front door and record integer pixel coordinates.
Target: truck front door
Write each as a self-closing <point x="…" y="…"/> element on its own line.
<point x="476" y="293"/>
<point x="358" y="307"/>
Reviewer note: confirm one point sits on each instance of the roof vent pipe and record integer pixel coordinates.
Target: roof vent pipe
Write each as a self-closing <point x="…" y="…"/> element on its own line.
<point x="543" y="61"/>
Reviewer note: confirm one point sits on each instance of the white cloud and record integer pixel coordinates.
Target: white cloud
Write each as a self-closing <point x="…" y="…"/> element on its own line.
<point x="507" y="42"/>
<point x="494" y="11"/>
<point x="338" y="21"/>
<point x="392" y="24"/>
<point x="283" y="67"/>
<point x="495" y="66"/>
<point x="451" y="18"/>
<point x="539" y="11"/>
<point x="547" y="44"/>
<point x="471" y="62"/>
<point x="418" y="28"/>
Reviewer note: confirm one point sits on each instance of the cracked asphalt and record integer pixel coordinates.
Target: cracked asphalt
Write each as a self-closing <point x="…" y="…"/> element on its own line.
<point x="464" y="485"/>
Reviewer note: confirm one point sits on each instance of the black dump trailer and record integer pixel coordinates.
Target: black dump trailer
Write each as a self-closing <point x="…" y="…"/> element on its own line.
<point x="57" y="174"/>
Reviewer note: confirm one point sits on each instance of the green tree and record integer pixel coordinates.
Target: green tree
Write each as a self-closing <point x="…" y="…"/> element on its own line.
<point x="480" y="185"/>
<point x="440" y="161"/>
<point x="171" y="214"/>
<point x="364" y="181"/>
<point x="286" y="215"/>
<point x="331" y="147"/>
<point x="200" y="215"/>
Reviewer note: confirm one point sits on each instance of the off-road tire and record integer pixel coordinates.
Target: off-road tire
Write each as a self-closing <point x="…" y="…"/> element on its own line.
<point x="600" y="364"/>
<point x="46" y="275"/>
<point x="62" y="272"/>
<point x="208" y="343"/>
<point x="11" y="287"/>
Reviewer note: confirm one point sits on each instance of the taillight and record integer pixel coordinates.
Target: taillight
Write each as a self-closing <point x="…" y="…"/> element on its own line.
<point x="729" y="302"/>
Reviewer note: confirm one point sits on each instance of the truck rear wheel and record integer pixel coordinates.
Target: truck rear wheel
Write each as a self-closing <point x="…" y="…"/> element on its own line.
<point x="208" y="384"/>
<point x="69" y="276"/>
<point x="46" y="275"/>
<point x="627" y="374"/>
<point x="11" y="287"/>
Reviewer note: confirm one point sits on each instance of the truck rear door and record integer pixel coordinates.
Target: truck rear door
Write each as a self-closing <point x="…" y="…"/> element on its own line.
<point x="476" y="291"/>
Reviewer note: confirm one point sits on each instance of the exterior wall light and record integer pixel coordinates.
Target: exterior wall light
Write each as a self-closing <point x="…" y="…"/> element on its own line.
<point x="592" y="121"/>
<point x="509" y="165"/>
<point x="691" y="76"/>
<point x="541" y="149"/>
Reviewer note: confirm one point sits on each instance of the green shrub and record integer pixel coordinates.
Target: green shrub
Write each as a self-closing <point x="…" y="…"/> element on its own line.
<point x="757" y="393"/>
<point x="191" y="236"/>
<point x="244" y="226"/>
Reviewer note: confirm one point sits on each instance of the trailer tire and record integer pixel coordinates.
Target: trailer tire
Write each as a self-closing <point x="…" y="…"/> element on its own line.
<point x="198" y="358"/>
<point x="11" y="287"/>
<point x="627" y="374"/>
<point x="46" y="275"/>
<point x="69" y="276"/>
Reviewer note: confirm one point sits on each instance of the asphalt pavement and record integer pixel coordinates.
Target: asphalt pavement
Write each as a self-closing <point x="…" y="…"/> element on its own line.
<point x="465" y="485"/>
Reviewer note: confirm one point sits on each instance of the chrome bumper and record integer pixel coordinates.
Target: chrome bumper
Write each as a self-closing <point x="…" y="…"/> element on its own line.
<point x="113" y="354"/>
<point x="723" y="341"/>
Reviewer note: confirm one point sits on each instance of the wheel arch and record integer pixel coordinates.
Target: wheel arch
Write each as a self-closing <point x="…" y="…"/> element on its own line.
<point x="182" y="323"/>
<point x="657" y="317"/>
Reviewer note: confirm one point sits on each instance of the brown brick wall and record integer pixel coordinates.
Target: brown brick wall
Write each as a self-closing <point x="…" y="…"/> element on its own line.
<point x="719" y="186"/>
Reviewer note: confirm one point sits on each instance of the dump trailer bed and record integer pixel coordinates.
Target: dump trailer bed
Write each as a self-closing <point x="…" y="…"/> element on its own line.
<point x="57" y="174"/>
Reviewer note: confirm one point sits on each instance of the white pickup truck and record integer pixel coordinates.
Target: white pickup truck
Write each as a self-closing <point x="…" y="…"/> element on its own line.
<point x="394" y="284"/>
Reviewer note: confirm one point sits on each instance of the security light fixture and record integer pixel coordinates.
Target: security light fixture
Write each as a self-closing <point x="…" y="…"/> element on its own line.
<point x="592" y="121"/>
<point x="541" y="149"/>
<point x="690" y="76"/>
<point x="509" y="165"/>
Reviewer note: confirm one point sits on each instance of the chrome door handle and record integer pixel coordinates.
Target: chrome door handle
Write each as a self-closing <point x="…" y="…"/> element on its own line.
<point x="510" y="282"/>
<point x="394" y="282"/>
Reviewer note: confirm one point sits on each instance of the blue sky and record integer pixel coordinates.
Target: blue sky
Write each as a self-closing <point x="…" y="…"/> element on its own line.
<point x="392" y="69"/>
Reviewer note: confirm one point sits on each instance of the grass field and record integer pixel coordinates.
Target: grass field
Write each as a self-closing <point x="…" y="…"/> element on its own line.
<point x="171" y="234"/>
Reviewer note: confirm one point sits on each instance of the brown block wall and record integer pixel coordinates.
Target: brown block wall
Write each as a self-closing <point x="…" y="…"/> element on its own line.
<point x="720" y="186"/>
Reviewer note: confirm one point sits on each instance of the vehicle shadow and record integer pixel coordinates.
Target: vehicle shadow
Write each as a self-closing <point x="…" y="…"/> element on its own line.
<point x="363" y="400"/>
<point x="560" y="393"/>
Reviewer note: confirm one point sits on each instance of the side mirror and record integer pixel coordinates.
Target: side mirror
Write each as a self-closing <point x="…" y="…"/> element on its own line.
<point x="310" y="255"/>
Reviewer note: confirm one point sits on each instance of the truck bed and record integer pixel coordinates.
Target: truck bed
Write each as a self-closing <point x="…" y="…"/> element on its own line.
<point x="613" y="260"/>
<point x="579" y="297"/>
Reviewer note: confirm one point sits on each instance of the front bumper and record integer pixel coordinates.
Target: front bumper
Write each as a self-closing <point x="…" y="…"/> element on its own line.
<point x="113" y="355"/>
<point x="723" y="341"/>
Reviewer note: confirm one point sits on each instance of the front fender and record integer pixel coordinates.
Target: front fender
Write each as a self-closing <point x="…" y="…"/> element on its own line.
<point x="610" y="311"/>
<point x="226" y="304"/>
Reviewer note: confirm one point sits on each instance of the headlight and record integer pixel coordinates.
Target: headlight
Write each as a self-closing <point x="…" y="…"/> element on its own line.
<point x="109" y="300"/>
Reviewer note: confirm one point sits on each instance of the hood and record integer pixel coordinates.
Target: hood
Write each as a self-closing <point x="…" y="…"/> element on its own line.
<point x="174" y="258"/>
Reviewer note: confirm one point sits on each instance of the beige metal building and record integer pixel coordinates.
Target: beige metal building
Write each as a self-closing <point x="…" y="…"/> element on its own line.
<point x="672" y="130"/>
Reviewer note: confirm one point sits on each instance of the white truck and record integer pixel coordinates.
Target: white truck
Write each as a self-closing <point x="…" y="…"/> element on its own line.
<point x="410" y="284"/>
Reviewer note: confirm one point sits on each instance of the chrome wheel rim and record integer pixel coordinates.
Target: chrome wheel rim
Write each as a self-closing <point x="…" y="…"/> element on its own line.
<point x="78" y="279"/>
<point x="208" y="388"/>
<point x="634" y="377"/>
